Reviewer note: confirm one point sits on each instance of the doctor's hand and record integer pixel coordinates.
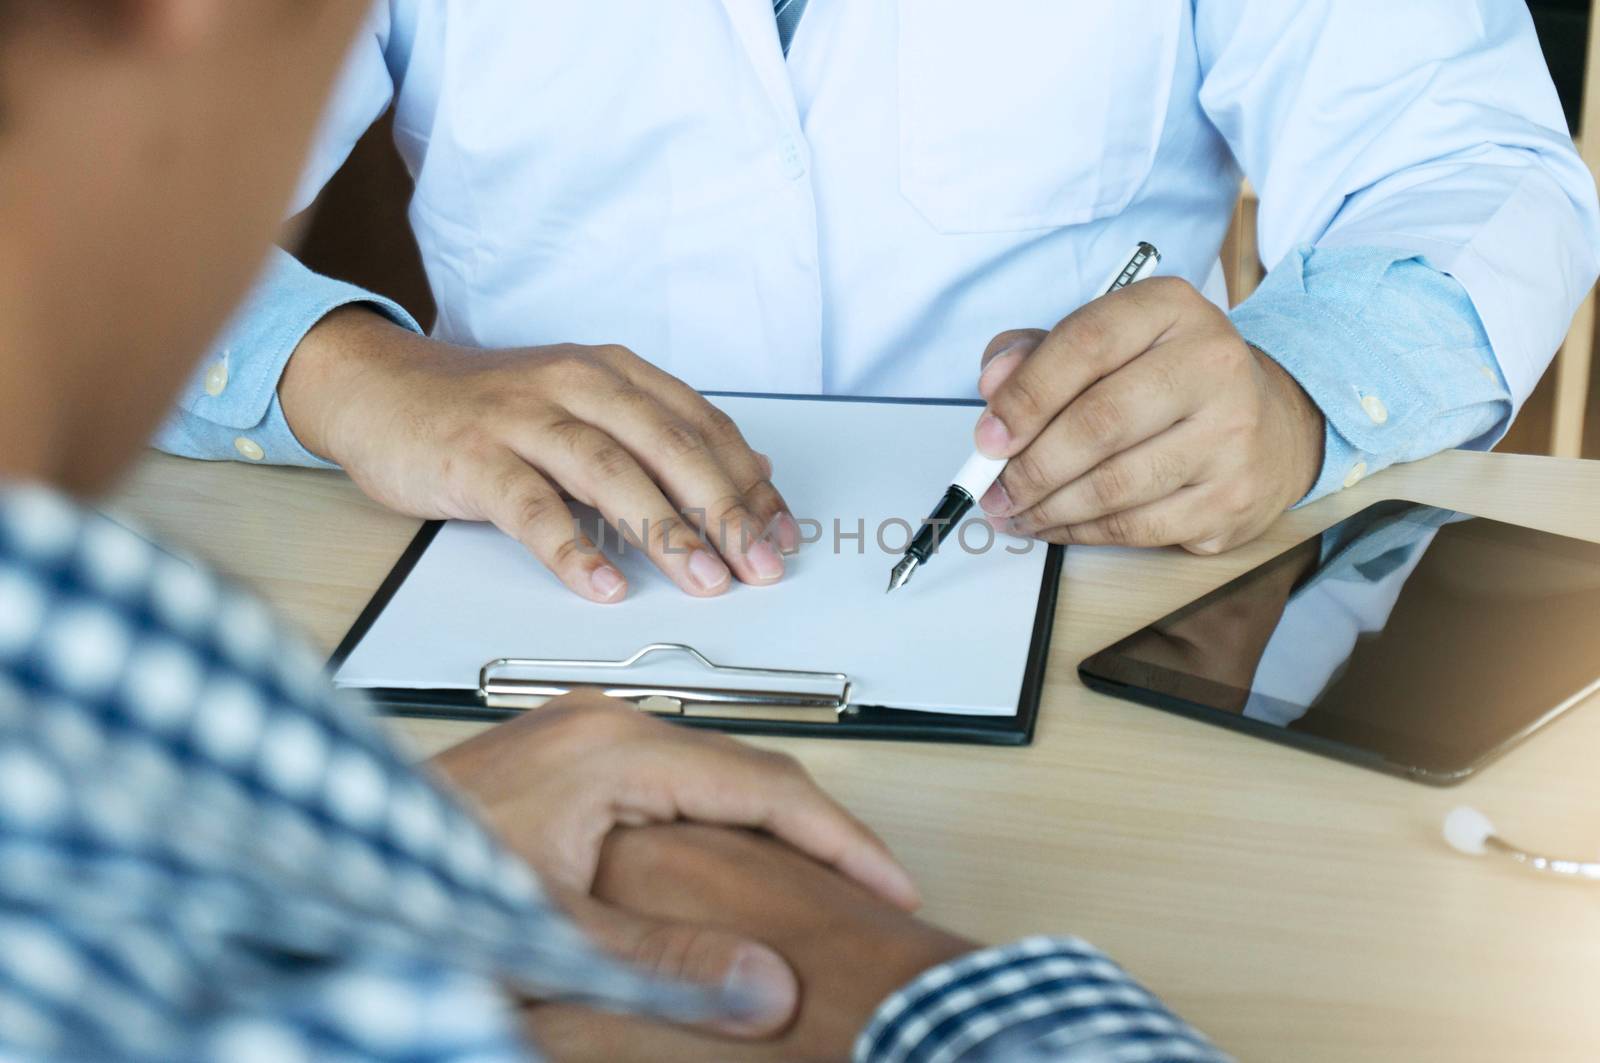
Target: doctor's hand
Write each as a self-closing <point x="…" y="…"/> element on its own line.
<point x="554" y="783"/>
<point x="433" y="430"/>
<point x="1144" y="419"/>
<point x="848" y="948"/>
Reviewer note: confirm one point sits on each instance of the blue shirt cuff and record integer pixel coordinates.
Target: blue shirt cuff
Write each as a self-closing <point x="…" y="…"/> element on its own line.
<point x="1041" y="998"/>
<point x="1389" y="349"/>
<point x="229" y="410"/>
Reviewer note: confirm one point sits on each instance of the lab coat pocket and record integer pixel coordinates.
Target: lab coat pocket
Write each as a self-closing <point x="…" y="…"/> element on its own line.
<point x="1031" y="114"/>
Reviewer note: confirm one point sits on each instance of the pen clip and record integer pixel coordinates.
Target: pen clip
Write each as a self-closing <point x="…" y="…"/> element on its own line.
<point x="1143" y="262"/>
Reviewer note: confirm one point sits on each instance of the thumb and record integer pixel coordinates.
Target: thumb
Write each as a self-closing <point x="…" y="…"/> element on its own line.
<point x="701" y="955"/>
<point x="1004" y="353"/>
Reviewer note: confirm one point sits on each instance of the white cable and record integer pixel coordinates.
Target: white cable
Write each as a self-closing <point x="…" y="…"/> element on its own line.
<point x="1469" y="831"/>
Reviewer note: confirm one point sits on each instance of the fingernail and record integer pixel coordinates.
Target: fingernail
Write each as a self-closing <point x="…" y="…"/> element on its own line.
<point x="995" y="373"/>
<point x="788" y="532"/>
<point x="607" y="582"/>
<point x="708" y="572"/>
<point x="995" y="501"/>
<point x="765" y="560"/>
<point x="764" y="986"/>
<point x="1013" y="347"/>
<point x="993" y="435"/>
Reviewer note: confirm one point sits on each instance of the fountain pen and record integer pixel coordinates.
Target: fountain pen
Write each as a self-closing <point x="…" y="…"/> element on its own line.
<point x="980" y="472"/>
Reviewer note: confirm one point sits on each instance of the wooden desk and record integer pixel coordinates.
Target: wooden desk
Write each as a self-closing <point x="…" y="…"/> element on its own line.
<point x="1294" y="908"/>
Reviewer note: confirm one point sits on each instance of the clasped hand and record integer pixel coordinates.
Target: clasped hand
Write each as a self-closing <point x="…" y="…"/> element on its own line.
<point x="554" y="784"/>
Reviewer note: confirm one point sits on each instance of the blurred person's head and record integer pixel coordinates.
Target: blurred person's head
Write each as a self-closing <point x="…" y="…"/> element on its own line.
<point x="147" y="152"/>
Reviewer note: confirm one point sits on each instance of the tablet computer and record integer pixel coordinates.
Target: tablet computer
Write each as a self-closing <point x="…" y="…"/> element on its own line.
<point x="1416" y="640"/>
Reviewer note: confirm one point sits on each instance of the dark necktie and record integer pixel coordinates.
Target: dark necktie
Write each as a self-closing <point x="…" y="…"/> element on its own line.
<point x="788" y="12"/>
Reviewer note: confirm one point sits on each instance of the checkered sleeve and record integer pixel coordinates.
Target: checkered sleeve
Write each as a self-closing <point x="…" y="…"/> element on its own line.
<point x="206" y="853"/>
<point x="1039" y="999"/>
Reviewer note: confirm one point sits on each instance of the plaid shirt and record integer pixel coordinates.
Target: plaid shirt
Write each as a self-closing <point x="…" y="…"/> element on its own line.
<point x="208" y="854"/>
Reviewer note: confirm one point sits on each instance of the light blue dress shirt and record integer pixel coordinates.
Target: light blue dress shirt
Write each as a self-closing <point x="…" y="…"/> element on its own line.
<point x="861" y="216"/>
<point x="1327" y="316"/>
<point x="1407" y="331"/>
<point x="229" y="409"/>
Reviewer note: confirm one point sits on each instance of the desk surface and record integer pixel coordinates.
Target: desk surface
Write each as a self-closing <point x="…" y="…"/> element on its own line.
<point x="1294" y="908"/>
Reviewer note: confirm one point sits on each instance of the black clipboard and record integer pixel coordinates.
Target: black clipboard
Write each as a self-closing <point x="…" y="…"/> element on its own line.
<point x="852" y="720"/>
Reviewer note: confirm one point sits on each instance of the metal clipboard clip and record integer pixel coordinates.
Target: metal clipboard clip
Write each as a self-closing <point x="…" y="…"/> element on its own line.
<point x="526" y="683"/>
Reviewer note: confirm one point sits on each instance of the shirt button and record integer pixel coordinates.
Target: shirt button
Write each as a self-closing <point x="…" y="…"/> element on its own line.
<point x="249" y="448"/>
<point x="1375" y="409"/>
<point x="216" y="378"/>
<point x="1488" y="374"/>
<point x="794" y="165"/>
<point x="1357" y="471"/>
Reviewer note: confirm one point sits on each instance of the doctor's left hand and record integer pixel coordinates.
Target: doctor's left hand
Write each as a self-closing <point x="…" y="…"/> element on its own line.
<point x="554" y="783"/>
<point x="1144" y="419"/>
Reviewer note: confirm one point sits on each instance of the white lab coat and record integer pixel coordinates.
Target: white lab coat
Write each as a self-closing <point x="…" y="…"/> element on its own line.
<point x="922" y="174"/>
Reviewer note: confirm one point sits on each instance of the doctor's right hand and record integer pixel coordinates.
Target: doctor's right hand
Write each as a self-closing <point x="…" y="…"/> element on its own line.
<point x="438" y="431"/>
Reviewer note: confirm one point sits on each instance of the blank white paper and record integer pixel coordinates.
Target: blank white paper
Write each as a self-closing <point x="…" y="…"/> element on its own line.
<point x="954" y="640"/>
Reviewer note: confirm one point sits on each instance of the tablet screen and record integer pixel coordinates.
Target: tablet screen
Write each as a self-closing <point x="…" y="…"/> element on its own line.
<point x="1422" y="637"/>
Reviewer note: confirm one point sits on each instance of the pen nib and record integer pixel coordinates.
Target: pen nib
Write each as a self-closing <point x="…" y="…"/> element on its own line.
<point x="901" y="575"/>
